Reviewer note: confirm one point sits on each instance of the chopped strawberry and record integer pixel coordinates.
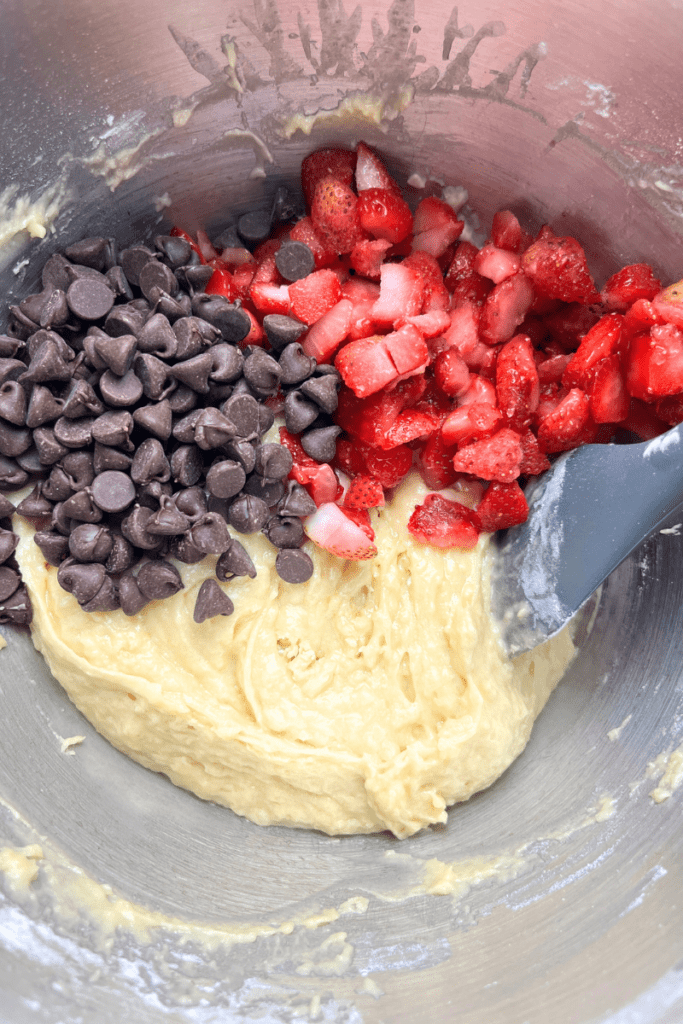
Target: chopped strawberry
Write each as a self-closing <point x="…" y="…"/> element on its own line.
<point x="629" y="284"/>
<point x="221" y="283"/>
<point x="230" y="259"/>
<point x="323" y="251"/>
<point x="534" y="461"/>
<point x="313" y="296"/>
<point x="505" y="308"/>
<point x="400" y="294"/>
<point x="655" y="363"/>
<point x="334" y="212"/>
<point x="569" y="324"/>
<point x="643" y="421"/>
<point x="602" y="340"/>
<point x="451" y="373"/>
<point x="444" y="524"/>
<point x="435" y="295"/>
<point x="496" y="264"/>
<point x="550" y="370"/>
<point x="462" y="280"/>
<point x="502" y="506"/>
<point x="369" y="419"/>
<point x="371" y="172"/>
<point x="463" y="332"/>
<point x="270" y="298"/>
<point x="471" y="423"/>
<point x="609" y="399"/>
<point x="366" y="366"/>
<point x="364" y="492"/>
<point x="641" y="316"/>
<point x="670" y="410"/>
<point x="562" y="429"/>
<point x="496" y="458"/>
<point x="558" y="269"/>
<point x="507" y="233"/>
<point x="517" y="384"/>
<point x="331" y="528"/>
<point x="361" y="517"/>
<point x="367" y="257"/>
<point x="479" y="391"/>
<point x="384" y="214"/>
<point x="256" y="335"/>
<point x="435" y="462"/>
<point x="266" y="250"/>
<point x="266" y="272"/>
<point x="409" y="425"/>
<point x="242" y="278"/>
<point x="431" y="324"/>
<point x="389" y="467"/>
<point x="323" y="163"/>
<point x="435" y="226"/>
<point x="407" y="350"/>
<point x="349" y="456"/>
<point x="668" y="304"/>
<point x="326" y="335"/>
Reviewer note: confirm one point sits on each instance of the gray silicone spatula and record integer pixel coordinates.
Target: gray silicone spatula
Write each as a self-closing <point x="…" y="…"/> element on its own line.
<point x="586" y="514"/>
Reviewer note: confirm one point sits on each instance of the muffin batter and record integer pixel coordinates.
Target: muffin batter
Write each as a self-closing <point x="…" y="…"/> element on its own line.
<point x="372" y="697"/>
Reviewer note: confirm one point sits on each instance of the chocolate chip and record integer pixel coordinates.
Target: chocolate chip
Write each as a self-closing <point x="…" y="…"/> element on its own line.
<point x="186" y="465"/>
<point x="321" y="443"/>
<point x="270" y="491"/>
<point x="131" y="598"/>
<point x="113" y="428"/>
<point x="112" y="490"/>
<point x="61" y="521"/>
<point x="286" y="205"/>
<point x="118" y="282"/>
<point x="156" y="277"/>
<point x="122" y="555"/>
<point x="227" y="363"/>
<point x="49" y="448"/>
<point x="211" y="601"/>
<point x="90" y="543"/>
<point x="228" y="239"/>
<point x="9" y="581"/>
<point x="185" y="551"/>
<point x="74" y="433"/>
<point x="37" y="340"/>
<point x="294" y="565"/>
<point x="90" y="299"/>
<point x="11" y="369"/>
<point x="43" y="407"/>
<point x="105" y="457"/>
<point x="297" y="502"/>
<point x="13" y="402"/>
<point x="47" y="364"/>
<point x="154" y="493"/>
<point x="182" y="399"/>
<point x="126" y="319"/>
<point x="191" y="501"/>
<point x="79" y="468"/>
<point x="55" y="272"/>
<point x="282" y="330"/>
<point x="158" y="336"/>
<point x="248" y="514"/>
<point x="83" y="580"/>
<point x="243" y="412"/>
<point x="176" y="250"/>
<point x="117" y="354"/>
<point x="285" y="532"/>
<point x="8" y="543"/>
<point x="133" y="261"/>
<point x="235" y="561"/>
<point x="190" y="337"/>
<point x="134" y="529"/>
<point x="55" y="311"/>
<point x="105" y="600"/>
<point x="6" y="507"/>
<point x="225" y="479"/>
<point x="254" y="227"/>
<point x="32" y="305"/>
<point x="184" y="428"/>
<point x="295" y="365"/>
<point x="35" y="505"/>
<point x="156" y="419"/>
<point x="300" y="412"/>
<point x="159" y="580"/>
<point x="273" y="461"/>
<point x="81" y="506"/>
<point x="150" y="463"/>
<point x="323" y="391"/>
<point x="30" y="461"/>
<point x="120" y="392"/>
<point x="266" y="418"/>
<point x="9" y="347"/>
<point x="17" y="610"/>
<point x="210" y="534"/>
<point x="196" y="277"/>
<point x="213" y="429"/>
<point x="262" y="372"/>
<point x="173" y="308"/>
<point x="168" y="521"/>
<point x="11" y="475"/>
<point x="294" y="260"/>
<point x="90" y="252"/>
<point x="242" y="452"/>
<point x="231" y="320"/>
<point x="53" y="546"/>
<point x="194" y="372"/>
<point x="157" y="381"/>
<point x="57" y="486"/>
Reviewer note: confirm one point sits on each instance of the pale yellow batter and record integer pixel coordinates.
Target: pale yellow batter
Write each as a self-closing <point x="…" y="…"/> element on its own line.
<point x="372" y="697"/>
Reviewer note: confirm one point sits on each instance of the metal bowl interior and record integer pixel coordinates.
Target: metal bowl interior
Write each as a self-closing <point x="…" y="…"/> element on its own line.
<point x="564" y="878"/>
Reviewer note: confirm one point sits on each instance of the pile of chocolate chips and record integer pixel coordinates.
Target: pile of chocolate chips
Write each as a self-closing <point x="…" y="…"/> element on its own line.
<point x="128" y="397"/>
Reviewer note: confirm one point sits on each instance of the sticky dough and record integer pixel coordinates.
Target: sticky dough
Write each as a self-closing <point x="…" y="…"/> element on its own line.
<point x="372" y="697"/>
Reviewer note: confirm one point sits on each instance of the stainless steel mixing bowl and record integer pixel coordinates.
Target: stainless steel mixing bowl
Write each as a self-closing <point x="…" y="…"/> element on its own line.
<point x="565" y="112"/>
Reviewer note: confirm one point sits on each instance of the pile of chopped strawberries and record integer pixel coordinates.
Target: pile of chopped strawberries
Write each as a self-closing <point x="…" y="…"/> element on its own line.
<point x="472" y="365"/>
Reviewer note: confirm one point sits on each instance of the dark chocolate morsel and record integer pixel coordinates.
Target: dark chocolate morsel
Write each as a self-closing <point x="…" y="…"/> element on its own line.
<point x="11" y="369"/>
<point x="254" y="227"/>
<point x="133" y="260"/>
<point x="266" y="418"/>
<point x="134" y="529"/>
<point x="90" y="252"/>
<point x="156" y="419"/>
<point x="13" y="403"/>
<point x="131" y="598"/>
<point x="81" y="506"/>
<point x="47" y="364"/>
<point x="117" y="354"/>
<point x="182" y="400"/>
<point x="150" y="463"/>
<point x="13" y="440"/>
<point x="34" y="505"/>
<point x="287" y="206"/>
<point x="157" y="382"/>
<point x="81" y="579"/>
<point x="153" y="494"/>
<point x="30" y="462"/>
<point x="294" y="565"/>
<point x="176" y="250"/>
<point x="196" y="277"/>
<point x="6" y="507"/>
<point x="120" y="392"/>
<point x="210" y="534"/>
<point x="105" y="600"/>
<point x="74" y="433"/>
<point x="79" y="467"/>
<point x="213" y="429"/>
<point x="323" y="391"/>
<point x="156" y="277"/>
<point x="186" y="465"/>
<point x="105" y="457"/>
<point x="273" y="461"/>
<point x="17" y="610"/>
<point x="113" y="428"/>
<point x="262" y="372"/>
<point x="112" y="490"/>
<point x="194" y="372"/>
<point x="193" y="336"/>
<point x="225" y="479"/>
<point x="9" y="581"/>
<point x="12" y="476"/>
<point x="243" y="412"/>
<point x="57" y="486"/>
<point x="55" y="272"/>
<point x="168" y="521"/>
<point x="227" y="363"/>
<point x="321" y="443"/>
<point x="10" y="347"/>
<point x="270" y="491"/>
<point x="294" y="260"/>
<point x="118" y="282"/>
<point x="127" y="319"/>
<point x="159" y="579"/>
<point x="300" y="412"/>
<point x="285" y="532"/>
<point x="173" y="308"/>
<point x="295" y="365"/>
<point x="297" y="501"/>
<point x="243" y="452"/>
<point x="61" y="522"/>
<point x="157" y="336"/>
<point x="89" y="298"/>
<point x="211" y="601"/>
<point x="235" y="561"/>
<point x="282" y="330"/>
<point x="191" y="501"/>
<point x="55" y="311"/>
<point x="228" y="239"/>
<point x="184" y="428"/>
<point x="49" y="448"/>
<point x="122" y="555"/>
<point x="232" y="321"/>
<point x="248" y="514"/>
<point x="8" y="543"/>
<point x="54" y="546"/>
<point x="90" y="543"/>
<point x="43" y="407"/>
<point x="37" y="340"/>
<point x="184" y="550"/>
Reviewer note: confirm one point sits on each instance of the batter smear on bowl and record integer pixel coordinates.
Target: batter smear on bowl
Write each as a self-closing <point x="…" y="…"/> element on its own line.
<point x="263" y="474"/>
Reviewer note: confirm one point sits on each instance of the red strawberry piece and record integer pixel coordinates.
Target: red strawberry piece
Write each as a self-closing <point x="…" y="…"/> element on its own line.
<point x="668" y="304"/>
<point x="502" y="506"/>
<point x="179" y="233"/>
<point x="364" y="492"/>
<point x="507" y="233"/>
<point x="435" y="226"/>
<point x="562" y="429"/>
<point x="389" y="467"/>
<point x="230" y="259"/>
<point x="641" y="316"/>
<point x="602" y="340"/>
<point x="266" y="272"/>
<point x="349" y="456"/>
<point x="517" y="384"/>
<point x="654" y="367"/>
<point x="569" y="324"/>
<point x="451" y="373"/>
<point x="256" y="335"/>
<point x="435" y="462"/>
<point x="496" y="458"/>
<point x="326" y="335"/>
<point x="371" y="418"/>
<point x="444" y="524"/>
<point x="435" y="293"/>
<point x="242" y="277"/>
<point x="384" y="214"/>
<point x="335" y="213"/>
<point x="318" y="478"/>
<point x="371" y="172"/>
<point x="407" y="349"/>
<point x="463" y="333"/>
<point x="629" y="284"/>
<point x="323" y="251"/>
<point x="550" y="370"/>
<point x="361" y="517"/>
<point x="266" y="250"/>
<point x="609" y="399"/>
<point x="270" y="298"/>
<point x="471" y="423"/>
<point x="558" y="269"/>
<point x="462" y="280"/>
<point x="365" y="365"/>
<point x="496" y="264"/>
<point x="221" y="283"/>
<point x="331" y="528"/>
<point x="409" y="425"/>
<point x="400" y="294"/>
<point x="431" y="324"/>
<point x="313" y="296"/>
<point x="549" y="398"/>
<point x="534" y="461"/>
<point x="670" y="410"/>
<point x="643" y="421"/>
<point x="324" y="163"/>
<point x="205" y="246"/>
<point x="368" y="256"/>
<point x="480" y="391"/>
<point x="504" y="309"/>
